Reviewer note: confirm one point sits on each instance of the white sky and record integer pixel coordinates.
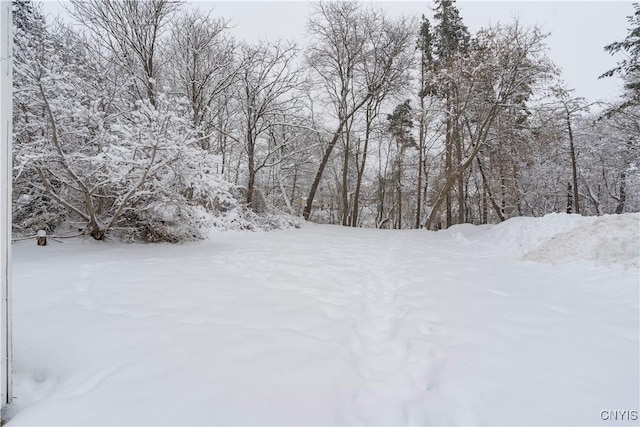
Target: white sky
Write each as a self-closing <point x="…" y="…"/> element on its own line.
<point x="579" y="29"/>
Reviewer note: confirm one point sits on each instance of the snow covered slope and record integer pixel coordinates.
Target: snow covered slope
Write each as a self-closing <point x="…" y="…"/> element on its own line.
<point x="333" y="326"/>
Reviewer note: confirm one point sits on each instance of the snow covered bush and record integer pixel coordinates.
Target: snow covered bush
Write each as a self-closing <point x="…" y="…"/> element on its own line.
<point x="182" y="191"/>
<point x="35" y="211"/>
<point x="112" y="162"/>
<point x="243" y="218"/>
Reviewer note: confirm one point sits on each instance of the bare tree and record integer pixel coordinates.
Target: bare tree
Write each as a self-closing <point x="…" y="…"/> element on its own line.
<point x="570" y="106"/>
<point x="264" y="94"/>
<point x="386" y="38"/>
<point x="203" y="67"/>
<point x="131" y="30"/>
<point x="341" y="45"/>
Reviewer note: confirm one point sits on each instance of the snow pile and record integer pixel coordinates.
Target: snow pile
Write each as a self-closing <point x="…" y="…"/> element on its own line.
<point x="611" y="239"/>
<point x="519" y="236"/>
<point x="559" y="238"/>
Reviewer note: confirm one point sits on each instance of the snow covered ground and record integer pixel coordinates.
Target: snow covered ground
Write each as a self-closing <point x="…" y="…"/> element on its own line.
<point x="531" y="322"/>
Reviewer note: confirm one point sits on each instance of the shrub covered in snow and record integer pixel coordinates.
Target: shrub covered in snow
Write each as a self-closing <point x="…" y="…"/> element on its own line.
<point x="88" y="153"/>
<point x="32" y="212"/>
<point x="242" y="218"/>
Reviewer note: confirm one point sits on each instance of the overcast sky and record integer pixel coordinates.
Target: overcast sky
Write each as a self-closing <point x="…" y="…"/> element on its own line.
<point x="579" y="29"/>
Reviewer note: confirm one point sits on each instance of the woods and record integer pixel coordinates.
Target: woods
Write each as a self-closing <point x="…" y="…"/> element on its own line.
<point x="147" y="120"/>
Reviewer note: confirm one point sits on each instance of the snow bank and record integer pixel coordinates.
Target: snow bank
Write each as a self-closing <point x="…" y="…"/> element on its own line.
<point x="519" y="236"/>
<point x="611" y="239"/>
<point x="558" y="238"/>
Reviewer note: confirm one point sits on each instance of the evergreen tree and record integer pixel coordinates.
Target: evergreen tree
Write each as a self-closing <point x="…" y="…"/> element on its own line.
<point x="629" y="67"/>
<point x="425" y="46"/>
<point x="400" y="123"/>
<point x="451" y="38"/>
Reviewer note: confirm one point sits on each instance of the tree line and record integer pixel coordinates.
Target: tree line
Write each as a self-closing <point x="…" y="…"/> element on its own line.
<point x="148" y="119"/>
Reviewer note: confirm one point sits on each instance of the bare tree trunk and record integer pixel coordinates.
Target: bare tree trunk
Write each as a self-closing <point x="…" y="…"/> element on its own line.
<point x="381" y="196"/>
<point x="345" y="176"/>
<point x="381" y="192"/>
<point x="306" y="213"/>
<point x="483" y="204"/>
<point x="487" y="192"/>
<point x="517" y="189"/>
<point x="356" y="199"/>
<point x="448" y="171"/>
<point x="574" y="165"/>
<point x="236" y="178"/>
<point x="438" y="203"/>
<point x="420" y="170"/>
<point x="399" y="188"/>
<point x="420" y="144"/>
<point x="287" y="201"/>
<point x="325" y="158"/>
<point x="595" y="199"/>
<point x="503" y="181"/>
<point x="293" y="185"/>
<point x="623" y="193"/>
<point x="251" y="167"/>
<point x="425" y="189"/>
<point x="222" y="146"/>
<point x="461" y="192"/>
<point x="569" y="198"/>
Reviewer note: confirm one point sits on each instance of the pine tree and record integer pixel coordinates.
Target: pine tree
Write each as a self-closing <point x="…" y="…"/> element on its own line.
<point x="425" y="46"/>
<point x="400" y="123"/>
<point x="629" y="67"/>
<point x="451" y="38"/>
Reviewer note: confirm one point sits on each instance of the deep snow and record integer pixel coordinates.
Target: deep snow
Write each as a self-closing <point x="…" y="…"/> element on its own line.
<point x="531" y="322"/>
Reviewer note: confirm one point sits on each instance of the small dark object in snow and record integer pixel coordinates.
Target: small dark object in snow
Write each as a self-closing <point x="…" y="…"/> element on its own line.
<point x="42" y="238"/>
